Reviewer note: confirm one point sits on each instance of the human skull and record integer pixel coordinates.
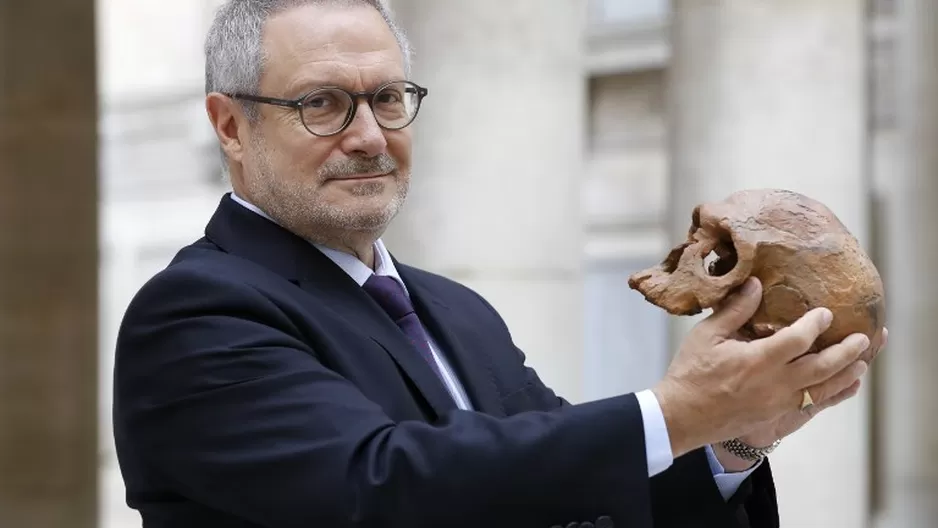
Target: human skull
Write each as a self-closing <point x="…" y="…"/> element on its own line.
<point x="799" y="250"/>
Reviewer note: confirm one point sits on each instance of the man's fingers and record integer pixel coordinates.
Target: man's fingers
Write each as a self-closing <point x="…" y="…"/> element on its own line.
<point x="831" y="368"/>
<point x="843" y="395"/>
<point x="840" y="382"/>
<point x="834" y="401"/>
<point x="796" y="339"/>
<point x="735" y="310"/>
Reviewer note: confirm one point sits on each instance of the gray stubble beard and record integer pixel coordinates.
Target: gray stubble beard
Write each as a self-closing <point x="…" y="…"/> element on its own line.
<point x="297" y="206"/>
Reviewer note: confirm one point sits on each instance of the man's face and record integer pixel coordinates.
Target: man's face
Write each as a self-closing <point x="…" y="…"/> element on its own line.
<point x="340" y="187"/>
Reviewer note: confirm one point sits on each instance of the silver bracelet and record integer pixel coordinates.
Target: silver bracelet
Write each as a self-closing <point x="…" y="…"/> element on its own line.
<point x="748" y="452"/>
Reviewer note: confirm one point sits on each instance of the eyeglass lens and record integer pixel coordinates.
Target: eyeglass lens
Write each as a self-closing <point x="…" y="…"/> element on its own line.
<point x="326" y="111"/>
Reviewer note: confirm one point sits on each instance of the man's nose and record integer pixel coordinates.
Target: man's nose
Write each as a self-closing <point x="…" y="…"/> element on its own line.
<point x="364" y="136"/>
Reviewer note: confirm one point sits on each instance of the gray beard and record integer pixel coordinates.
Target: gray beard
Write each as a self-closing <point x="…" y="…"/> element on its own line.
<point x="297" y="206"/>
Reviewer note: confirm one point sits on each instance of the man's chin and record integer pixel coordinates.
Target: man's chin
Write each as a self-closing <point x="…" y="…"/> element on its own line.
<point x="366" y="217"/>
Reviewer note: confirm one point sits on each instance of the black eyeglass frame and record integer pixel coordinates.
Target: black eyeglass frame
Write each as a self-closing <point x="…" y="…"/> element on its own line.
<point x="297" y="103"/>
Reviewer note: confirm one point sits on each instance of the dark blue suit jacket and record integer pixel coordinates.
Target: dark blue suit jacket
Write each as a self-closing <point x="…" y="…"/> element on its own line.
<point x="257" y="385"/>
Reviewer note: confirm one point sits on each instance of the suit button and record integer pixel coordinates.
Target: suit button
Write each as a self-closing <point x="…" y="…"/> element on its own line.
<point x="605" y="522"/>
<point x="587" y="525"/>
<point x="573" y="525"/>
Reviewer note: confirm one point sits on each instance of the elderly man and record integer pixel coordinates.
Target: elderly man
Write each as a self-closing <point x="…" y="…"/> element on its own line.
<point x="286" y="371"/>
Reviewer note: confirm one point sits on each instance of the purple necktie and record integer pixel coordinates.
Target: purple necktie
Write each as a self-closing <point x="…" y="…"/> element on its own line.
<point x="390" y="295"/>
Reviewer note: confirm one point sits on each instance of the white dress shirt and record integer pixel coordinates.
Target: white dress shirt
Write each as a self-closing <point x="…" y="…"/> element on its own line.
<point x="657" y="442"/>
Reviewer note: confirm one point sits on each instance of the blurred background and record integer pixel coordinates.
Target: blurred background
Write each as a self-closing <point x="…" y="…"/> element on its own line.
<point x="562" y="147"/>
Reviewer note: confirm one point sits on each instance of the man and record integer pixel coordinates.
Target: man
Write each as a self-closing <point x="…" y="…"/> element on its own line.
<point x="285" y="371"/>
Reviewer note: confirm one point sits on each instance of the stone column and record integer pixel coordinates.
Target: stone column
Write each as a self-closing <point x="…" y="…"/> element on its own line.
<point x="909" y="426"/>
<point x="48" y="265"/>
<point x="498" y="165"/>
<point x="772" y="94"/>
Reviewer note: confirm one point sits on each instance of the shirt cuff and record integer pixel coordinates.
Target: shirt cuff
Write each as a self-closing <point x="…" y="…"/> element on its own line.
<point x="728" y="483"/>
<point x="657" y="440"/>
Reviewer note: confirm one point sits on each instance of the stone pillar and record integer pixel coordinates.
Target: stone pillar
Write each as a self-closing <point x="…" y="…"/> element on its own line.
<point x="48" y="265"/>
<point x="910" y="398"/>
<point x="498" y="165"/>
<point x="772" y="94"/>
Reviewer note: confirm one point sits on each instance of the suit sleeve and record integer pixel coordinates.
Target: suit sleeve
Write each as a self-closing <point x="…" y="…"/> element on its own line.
<point x="686" y="495"/>
<point x="217" y="392"/>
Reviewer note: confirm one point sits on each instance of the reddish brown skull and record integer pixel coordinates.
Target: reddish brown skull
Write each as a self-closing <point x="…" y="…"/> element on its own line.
<point x="797" y="247"/>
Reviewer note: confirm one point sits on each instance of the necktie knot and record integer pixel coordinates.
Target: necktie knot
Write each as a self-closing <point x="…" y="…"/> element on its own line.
<point x="390" y="295"/>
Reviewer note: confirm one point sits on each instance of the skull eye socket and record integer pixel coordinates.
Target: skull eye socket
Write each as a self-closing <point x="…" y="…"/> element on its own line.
<point x="723" y="258"/>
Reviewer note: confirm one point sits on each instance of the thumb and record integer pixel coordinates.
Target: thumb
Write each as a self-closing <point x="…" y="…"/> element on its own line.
<point x="735" y="310"/>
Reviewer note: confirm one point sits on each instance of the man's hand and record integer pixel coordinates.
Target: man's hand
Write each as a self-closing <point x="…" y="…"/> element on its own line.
<point x="846" y="386"/>
<point x="719" y="387"/>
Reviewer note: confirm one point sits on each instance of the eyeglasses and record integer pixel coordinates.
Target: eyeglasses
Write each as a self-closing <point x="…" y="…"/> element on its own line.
<point x="328" y="111"/>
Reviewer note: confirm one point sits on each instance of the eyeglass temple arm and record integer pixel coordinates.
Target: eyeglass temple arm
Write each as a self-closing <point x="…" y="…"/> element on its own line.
<point x="266" y="100"/>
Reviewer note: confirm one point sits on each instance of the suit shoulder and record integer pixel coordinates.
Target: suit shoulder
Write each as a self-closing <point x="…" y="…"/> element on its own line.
<point x="200" y="274"/>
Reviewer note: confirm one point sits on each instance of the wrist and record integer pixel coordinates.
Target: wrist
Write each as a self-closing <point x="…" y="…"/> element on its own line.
<point x="679" y="417"/>
<point x="730" y="462"/>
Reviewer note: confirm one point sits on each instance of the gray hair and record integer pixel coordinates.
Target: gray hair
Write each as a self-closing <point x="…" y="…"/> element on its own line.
<point x="234" y="51"/>
<point x="234" y="48"/>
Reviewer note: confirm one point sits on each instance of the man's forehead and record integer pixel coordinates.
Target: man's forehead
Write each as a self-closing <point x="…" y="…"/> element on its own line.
<point x="330" y="40"/>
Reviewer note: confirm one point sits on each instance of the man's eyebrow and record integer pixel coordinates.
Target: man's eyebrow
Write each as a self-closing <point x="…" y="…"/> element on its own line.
<point x="300" y="87"/>
<point x="304" y="85"/>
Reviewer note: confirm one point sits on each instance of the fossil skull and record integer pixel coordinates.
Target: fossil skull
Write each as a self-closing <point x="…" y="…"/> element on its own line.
<point x="797" y="248"/>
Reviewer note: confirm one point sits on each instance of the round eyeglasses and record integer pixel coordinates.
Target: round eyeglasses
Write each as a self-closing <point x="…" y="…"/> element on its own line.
<point x="328" y="111"/>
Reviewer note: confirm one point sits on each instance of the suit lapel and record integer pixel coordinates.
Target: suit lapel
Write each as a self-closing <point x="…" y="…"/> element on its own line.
<point x="347" y="299"/>
<point x="460" y="342"/>
<point x="248" y="235"/>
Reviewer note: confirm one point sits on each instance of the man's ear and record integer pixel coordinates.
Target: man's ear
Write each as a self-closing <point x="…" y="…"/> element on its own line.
<point x="228" y="122"/>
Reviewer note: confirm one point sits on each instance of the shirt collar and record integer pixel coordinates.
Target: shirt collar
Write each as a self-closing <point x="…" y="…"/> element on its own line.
<point x="355" y="268"/>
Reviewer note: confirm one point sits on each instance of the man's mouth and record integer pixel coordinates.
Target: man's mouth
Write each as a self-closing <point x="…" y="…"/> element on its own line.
<point x="363" y="176"/>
